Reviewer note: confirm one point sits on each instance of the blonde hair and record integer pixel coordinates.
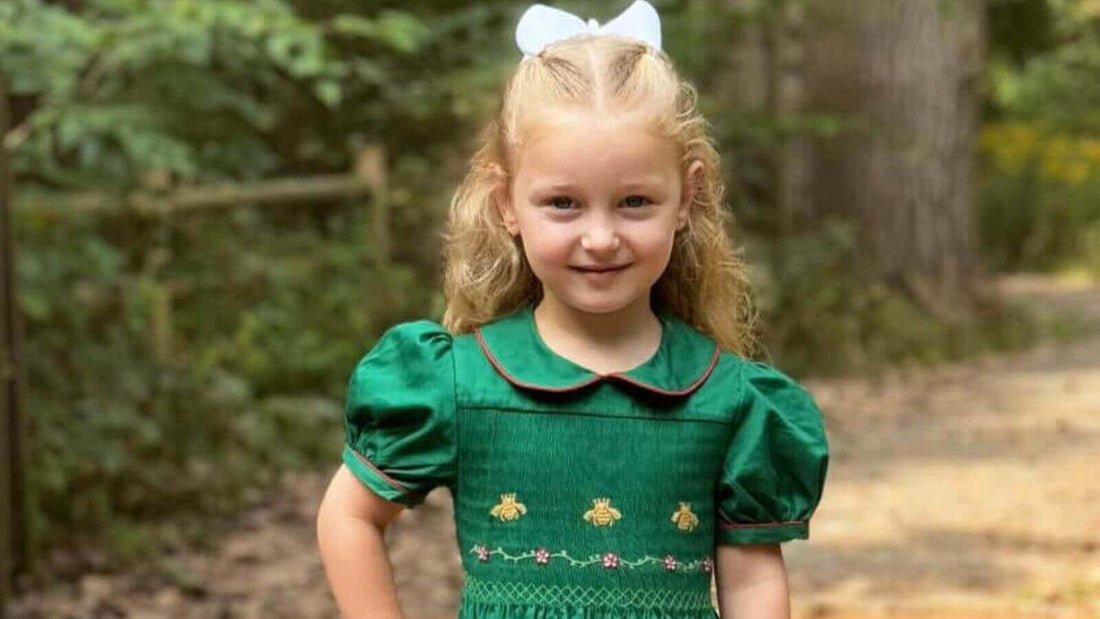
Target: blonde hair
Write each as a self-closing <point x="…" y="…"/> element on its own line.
<point x="486" y="274"/>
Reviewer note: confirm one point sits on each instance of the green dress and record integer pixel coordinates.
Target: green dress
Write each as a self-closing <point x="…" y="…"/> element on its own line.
<point x="581" y="495"/>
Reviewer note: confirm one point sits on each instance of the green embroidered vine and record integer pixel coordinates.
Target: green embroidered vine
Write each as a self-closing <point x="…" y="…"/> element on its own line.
<point x="609" y="560"/>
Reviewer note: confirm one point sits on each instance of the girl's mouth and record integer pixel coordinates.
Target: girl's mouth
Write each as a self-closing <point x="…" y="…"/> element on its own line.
<point x="604" y="269"/>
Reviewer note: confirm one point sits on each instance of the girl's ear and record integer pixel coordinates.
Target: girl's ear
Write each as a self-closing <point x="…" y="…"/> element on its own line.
<point x="693" y="178"/>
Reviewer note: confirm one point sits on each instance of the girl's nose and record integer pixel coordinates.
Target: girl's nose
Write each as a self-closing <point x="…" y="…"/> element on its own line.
<point x="600" y="238"/>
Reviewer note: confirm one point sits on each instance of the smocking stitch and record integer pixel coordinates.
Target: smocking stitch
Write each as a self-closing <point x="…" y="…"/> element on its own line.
<point x="507" y="592"/>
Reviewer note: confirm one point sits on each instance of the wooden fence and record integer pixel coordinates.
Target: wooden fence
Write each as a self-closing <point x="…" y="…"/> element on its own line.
<point x="13" y="446"/>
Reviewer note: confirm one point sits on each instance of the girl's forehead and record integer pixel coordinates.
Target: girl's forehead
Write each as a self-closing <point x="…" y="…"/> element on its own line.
<point x="555" y="121"/>
<point x="582" y="139"/>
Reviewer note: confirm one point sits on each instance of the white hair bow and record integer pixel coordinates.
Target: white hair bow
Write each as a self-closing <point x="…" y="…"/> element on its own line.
<point x="541" y="25"/>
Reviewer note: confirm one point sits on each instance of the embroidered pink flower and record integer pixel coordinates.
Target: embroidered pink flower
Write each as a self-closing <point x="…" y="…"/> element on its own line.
<point x="708" y="565"/>
<point x="542" y="556"/>
<point x="482" y="552"/>
<point x="670" y="563"/>
<point x="611" y="560"/>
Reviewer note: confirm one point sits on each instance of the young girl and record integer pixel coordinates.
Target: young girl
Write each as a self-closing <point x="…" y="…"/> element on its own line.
<point x="587" y="398"/>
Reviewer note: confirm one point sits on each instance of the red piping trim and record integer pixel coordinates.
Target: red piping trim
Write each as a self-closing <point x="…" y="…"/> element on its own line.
<point x="685" y="390"/>
<point x="518" y="382"/>
<point x="735" y="525"/>
<point x="391" y="481"/>
<point x="623" y="377"/>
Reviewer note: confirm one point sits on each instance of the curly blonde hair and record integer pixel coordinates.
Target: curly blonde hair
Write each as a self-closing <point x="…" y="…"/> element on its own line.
<point x="486" y="274"/>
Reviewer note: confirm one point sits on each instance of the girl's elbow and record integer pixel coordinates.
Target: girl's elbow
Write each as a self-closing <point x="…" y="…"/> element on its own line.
<point x="747" y="565"/>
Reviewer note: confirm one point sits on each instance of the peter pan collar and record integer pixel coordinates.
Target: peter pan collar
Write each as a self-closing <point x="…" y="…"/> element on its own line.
<point x="512" y="344"/>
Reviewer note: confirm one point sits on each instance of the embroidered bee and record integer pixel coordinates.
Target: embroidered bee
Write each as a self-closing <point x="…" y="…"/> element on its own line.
<point x="508" y="508"/>
<point x="684" y="518"/>
<point x="602" y="514"/>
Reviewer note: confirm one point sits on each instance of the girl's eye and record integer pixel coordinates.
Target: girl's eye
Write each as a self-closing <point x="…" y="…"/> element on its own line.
<point x="565" y="203"/>
<point x="560" y="202"/>
<point x="637" y="201"/>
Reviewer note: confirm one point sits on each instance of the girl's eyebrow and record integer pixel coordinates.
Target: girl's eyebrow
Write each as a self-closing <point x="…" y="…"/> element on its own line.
<point x="641" y="181"/>
<point x="558" y="186"/>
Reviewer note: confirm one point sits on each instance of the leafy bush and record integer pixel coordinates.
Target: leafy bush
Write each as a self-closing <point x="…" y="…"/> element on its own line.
<point x="1039" y="177"/>
<point x="1040" y="197"/>
<point x="825" y="312"/>
<point x="176" y="369"/>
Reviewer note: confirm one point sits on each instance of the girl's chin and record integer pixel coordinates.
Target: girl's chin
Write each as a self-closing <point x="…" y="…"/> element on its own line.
<point x="598" y="302"/>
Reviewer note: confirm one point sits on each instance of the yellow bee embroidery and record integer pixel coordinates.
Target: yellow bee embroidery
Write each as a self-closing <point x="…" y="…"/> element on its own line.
<point x="508" y="508"/>
<point x="602" y="514"/>
<point x="684" y="518"/>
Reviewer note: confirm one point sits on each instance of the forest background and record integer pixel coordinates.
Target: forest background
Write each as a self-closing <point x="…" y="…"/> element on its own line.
<point x="176" y="364"/>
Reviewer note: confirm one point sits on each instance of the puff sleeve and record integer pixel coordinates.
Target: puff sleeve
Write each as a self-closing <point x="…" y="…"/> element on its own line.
<point x="775" y="465"/>
<point x="399" y="414"/>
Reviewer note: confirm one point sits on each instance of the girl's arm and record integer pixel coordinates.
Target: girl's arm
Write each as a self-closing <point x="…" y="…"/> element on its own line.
<point x="752" y="582"/>
<point x="351" y="522"/>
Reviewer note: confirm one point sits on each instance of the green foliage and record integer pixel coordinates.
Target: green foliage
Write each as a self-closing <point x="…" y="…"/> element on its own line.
<point x="393" y="28"/>
<point x="826" y="313"/>
<point x="1039" y="172"/>
<point x="1059" y="87"/>
<point x="190" y="88"/>
<point x="175" y="368"/>
<point x="1040" y="198"/>
<point x="262" y="337"/>
<point x="1020" y="29"/>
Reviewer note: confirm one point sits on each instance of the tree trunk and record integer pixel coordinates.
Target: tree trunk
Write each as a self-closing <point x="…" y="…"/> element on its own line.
<point x="908" y="73"/>
<point x="765" y="76"/>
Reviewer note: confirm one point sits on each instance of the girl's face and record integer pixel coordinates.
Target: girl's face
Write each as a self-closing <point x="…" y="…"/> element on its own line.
<point x="597" y="200"/>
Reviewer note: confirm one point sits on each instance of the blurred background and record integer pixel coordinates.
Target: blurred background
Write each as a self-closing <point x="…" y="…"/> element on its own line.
<point x="213" y="208"/>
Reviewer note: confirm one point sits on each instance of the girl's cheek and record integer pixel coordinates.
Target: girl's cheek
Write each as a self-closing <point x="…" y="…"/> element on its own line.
<point x="656" y="250"/>
<point x="652" y="236"/>
<point x="549" y="249"/>
<point x="553" y="236"/>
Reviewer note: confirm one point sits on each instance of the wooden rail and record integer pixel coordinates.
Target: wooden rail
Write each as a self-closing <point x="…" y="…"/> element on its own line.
<point x="212" y="197"/>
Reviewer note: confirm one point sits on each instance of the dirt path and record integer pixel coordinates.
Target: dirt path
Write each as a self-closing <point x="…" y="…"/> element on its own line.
<point x="968" y="490"/>
<point x="970" y="487"/>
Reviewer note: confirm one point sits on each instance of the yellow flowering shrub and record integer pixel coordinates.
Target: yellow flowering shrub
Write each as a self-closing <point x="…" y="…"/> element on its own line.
<point x="1062" y="159"/>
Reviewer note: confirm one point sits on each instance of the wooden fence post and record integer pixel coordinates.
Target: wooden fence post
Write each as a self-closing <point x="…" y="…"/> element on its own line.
<point x="370" y="169"/>
<point x="7" y="555"/>
<point x="13" y="432"/>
